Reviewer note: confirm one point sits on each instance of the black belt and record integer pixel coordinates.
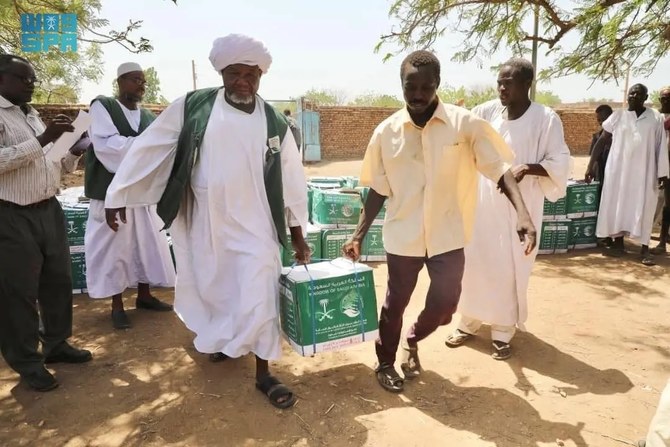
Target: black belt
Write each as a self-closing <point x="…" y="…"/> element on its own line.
<point x="40" y="204"/>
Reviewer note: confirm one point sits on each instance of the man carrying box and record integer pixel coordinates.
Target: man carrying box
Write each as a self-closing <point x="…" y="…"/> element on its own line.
<point x="223" y="167"/>
<point x="424" y="159"/>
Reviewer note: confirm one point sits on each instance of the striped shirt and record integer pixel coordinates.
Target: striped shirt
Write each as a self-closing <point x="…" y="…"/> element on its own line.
<point x="26" y="176"/>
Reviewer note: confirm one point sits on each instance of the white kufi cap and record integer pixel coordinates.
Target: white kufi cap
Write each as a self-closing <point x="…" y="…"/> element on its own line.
<point x="239" y="49"/>
<point x="127" y="67"/>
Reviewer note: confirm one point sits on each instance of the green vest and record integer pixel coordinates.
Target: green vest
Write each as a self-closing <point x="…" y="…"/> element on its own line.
<point x="96" y="177"/>
<point x="197" y="109"/>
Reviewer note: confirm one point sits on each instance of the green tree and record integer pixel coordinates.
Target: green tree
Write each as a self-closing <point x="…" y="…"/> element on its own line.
<point x="547" y="98"/>
<point x="377" y="100"/>
<point x="152" y="92"/>
<point x="612" y="35"/>
<point x="325" y="97"/>
<point x="56" y="68"/>
<point x="468" y="98"/>
<point x="55" y="94"/>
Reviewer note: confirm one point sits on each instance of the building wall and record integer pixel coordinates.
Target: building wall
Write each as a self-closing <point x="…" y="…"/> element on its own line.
<point x="345" y="131"/>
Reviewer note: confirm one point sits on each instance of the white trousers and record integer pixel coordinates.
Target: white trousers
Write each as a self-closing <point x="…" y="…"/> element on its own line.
<point x="498" y="333"/>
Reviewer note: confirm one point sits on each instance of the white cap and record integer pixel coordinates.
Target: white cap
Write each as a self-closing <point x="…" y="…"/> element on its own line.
<point x="127" y="67"/>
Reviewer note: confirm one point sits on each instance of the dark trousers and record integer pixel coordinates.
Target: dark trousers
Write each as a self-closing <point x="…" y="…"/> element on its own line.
<point x="445" y="272"/>
<point x="34" y="271"/>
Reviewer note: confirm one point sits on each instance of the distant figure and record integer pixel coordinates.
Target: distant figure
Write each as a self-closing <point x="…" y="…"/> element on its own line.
<point x="637" y="162"/>
<point x="602" y="113"/>
<point x="295" y="130"/>
<point x="665" y="211"/>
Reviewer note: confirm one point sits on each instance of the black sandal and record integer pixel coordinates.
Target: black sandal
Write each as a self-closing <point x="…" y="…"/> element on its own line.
<point x="389" y="378"/>
<point x="411" y="366"/>
<point x="501" y="350"/>
<point x="457" y="338"/>
<point x="275" y="390"/>
<point x="218" y="357"/>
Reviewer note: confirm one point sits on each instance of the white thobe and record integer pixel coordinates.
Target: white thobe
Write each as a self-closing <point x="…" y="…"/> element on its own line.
<point x="637" y="159"/>
<point x="497" y="270"/>
<point x="138" y="252"/>
<point x="659" y="429"/>
<point x="224" y="239"/>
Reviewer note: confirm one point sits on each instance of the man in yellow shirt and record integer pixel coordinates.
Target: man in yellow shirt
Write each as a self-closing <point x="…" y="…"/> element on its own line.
<point x="425" y="159"/>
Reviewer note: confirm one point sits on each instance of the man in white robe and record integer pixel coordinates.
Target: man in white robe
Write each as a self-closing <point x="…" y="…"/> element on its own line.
<point x="495" y="280"/>
<point x="658" y="434"/>
<point x="637" y="163"/>
<point x="225" y="244"/>
<point x="138" y="254"/>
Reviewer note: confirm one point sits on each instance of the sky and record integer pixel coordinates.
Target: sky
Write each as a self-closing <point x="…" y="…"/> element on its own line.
<point x="314" y="44"/>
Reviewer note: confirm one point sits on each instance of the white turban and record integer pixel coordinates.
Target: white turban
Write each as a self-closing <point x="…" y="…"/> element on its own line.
<point x="239" y="49"/>
<point x="127" y="67"/>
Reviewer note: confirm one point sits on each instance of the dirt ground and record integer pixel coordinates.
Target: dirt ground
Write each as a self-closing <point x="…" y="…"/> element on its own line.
<point x="587" y="373"/>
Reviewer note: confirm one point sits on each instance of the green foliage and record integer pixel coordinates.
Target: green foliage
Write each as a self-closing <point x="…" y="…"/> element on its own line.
<point x="55" y="94"/>
<point x="325" y="97"/>
<point x="547" y="98"/>
<point x="467" y="97"/>
<point x="377" y="100"/>
<point x="153" y="94"/>
<point x="611" y="34"/>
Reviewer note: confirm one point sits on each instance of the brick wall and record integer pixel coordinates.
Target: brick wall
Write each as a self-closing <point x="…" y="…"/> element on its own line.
<point x="578" y="128"/>
<point x="345" y="131"/>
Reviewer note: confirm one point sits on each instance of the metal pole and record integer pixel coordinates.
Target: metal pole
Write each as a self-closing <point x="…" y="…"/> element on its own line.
<point x="536" y="30"/>
<point x="193" y="73"/>
<point x="625" y="88"/>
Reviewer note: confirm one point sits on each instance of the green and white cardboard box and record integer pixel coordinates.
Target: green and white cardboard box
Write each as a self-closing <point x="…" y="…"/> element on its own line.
<point x="373" y="245"/>
<point x="554" y="210"/>
<point x="582" y="199"/>
<point x="340" y="181"/>
<point x="332" y="240"/>
<point x="336" y="207"/>
<point x="583" y="233"/>
<point x="78" y="268"/>
<point x="554" y="237"/>
<point x="328" y="306"/>
<point x="75" y="222"/>
<point x="313" y="240"/>
<point x="76" y="214"/>
<point x="350" y="181"/>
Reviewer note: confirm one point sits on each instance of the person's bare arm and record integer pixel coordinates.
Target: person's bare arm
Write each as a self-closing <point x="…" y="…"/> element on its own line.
<point x="598" y="149"/>
<point x="524" y="227"/>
